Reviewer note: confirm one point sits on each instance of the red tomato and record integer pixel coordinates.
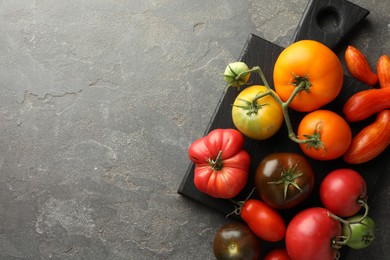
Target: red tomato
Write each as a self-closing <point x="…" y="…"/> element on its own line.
<point x="370" y="141"/>
<point x="277" y="254"/>
<point x="314" y="64"/>
<point x="341" y="190"/>
<point x="221" y="165"/>
<point x="331" y="131"/>
<point x="310" y="235"/>
<point x="366" y="103"/>
<point x="263" y="220"/>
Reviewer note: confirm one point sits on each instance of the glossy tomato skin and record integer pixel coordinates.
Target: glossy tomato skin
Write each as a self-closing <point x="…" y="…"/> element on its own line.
<point x="316" y="61"/>
<point x="277" y="254"/>
<point x="236" y="241"/>
<point x="259" y="119"/>
<point x="363" y="233"/>
<point x="310" y="233"/>
<point x="263" y="220"/>
<point x="333" y="131"/>
<point x="284" y="180"/>
<point x="370" y="141"/>
<point x="221" y="165"/>
<point x="340" y="191"/>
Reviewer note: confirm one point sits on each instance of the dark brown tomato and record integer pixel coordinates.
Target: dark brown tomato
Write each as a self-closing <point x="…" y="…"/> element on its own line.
<point x="236" y="241"/>
<point x="284" y="180"/>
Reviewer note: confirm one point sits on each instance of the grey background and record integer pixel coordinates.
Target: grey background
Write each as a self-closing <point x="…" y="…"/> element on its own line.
<point x="99" y="101"/>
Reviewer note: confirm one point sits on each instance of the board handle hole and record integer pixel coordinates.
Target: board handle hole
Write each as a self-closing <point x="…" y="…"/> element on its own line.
<point x="328" y="19"/>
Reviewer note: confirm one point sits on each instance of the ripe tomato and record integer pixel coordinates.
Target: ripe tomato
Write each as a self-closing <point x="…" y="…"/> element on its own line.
<point x="331" y="131"/>
<point x="318" y="65"/>
<point x="371" y="141"/>
<point x="277" y="254"/>
<point x="221" y="165"/>
<point x="257" y="118"/>
<point x="310" y="235"/>
<point x="284" y="180"/>
<point x="236" y="241"/>
<point x="341" y="190"/>
<point x="362" y="233"/>
<point x="263" y="220"/>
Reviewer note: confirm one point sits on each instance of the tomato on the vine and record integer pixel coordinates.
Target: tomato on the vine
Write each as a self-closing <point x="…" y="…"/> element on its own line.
<point x="311" y="234"/>
<point x="257" y="118"/>
<point x="236" y="74"/>
<point x="313" y="64"/>
<point x="343" y="191"/>
<point x="263" y="220"/>
<point x="236" y="241"/>
<point x="330" y="133"/>
<point x="362" y="234"/>
<point x="221" y="165"/>
<point x="284" y="180"/>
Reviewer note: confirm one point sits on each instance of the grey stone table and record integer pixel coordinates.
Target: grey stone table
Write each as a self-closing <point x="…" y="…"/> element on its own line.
<point x="99" y="102"/>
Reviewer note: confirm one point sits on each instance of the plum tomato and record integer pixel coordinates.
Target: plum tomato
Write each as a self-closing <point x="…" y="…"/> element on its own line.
<point x="277" y="254"/>
<point x="343" y="192"/>
<point x="311" y="234"/>
<point x="257" y="118"/>
<point x="330" y="133"/>
<point x="236" y="241"/>
<point x="362" y="233"/>
<point x="284" y="180"/>
<point x="221" y="165"/>
<point x="263" y="220"/>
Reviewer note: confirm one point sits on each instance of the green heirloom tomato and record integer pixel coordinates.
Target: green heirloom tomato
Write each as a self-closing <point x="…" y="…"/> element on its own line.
<point x="257" y="118"/>
<point x="232" y="74"/>
<point x="284" y="180"/>
<point x="236" y="241"/>
<point x="363" y="233"/>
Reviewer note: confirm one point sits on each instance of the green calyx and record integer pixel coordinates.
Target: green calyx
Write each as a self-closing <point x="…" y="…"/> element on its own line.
<point x="288" y="177"/>
<point x="252" y="106"/>
<point x="314" y="140"/>
<point x="299" y="81"/>
<point x="217" y="163"/>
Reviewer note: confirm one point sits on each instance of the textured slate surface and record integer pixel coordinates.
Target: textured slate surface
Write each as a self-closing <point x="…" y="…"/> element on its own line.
<point x="91" y="151"/>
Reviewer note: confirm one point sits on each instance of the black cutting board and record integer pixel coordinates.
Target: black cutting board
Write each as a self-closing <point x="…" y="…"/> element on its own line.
<point x="328" y="22"/>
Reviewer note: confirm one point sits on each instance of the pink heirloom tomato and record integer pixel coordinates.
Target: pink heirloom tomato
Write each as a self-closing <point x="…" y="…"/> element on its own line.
<point x="221" y="165"/>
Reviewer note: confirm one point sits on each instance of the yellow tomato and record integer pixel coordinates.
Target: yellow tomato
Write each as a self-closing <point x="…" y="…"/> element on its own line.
<point x="257" y="118"/>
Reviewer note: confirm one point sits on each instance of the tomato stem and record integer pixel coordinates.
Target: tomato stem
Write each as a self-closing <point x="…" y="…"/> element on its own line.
<point x="217" y="163"/>
<point x="239" y="204"/>
<point x="301" y="84"/>
<point x="338" y="242"/>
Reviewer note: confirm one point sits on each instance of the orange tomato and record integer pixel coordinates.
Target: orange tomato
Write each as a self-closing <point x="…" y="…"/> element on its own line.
<point x="318" y="64"/>
<point x="332" y="131"/>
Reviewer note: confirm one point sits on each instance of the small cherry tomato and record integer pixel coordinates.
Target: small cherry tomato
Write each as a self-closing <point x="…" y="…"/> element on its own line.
<point x="311" y="234"/>
<point x="330" y="133"/>
<point x="263" y="220"/>
<point x="277" y="254"/>
<point x="343" y="191"/>
<point x="232" y="74"/>
<point x="284" y="180"/>
<point x="257" y="118"/>
<point x="362" y="234"/>
<point x="236" y="241"/>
